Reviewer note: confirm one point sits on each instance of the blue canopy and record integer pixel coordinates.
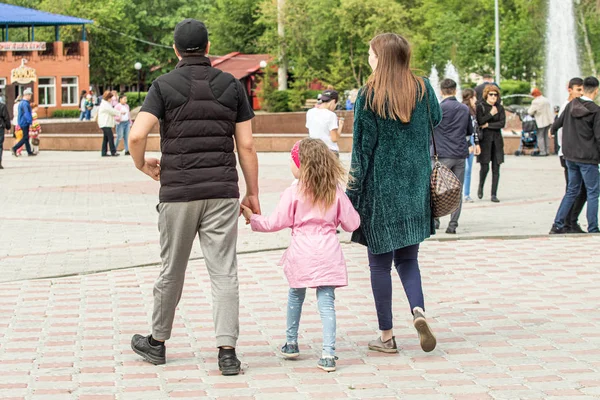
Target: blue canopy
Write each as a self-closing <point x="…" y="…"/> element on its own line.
<point x="16" y="16"/>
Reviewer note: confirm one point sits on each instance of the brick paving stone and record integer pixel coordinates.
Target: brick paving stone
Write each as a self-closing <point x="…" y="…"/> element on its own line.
<point x="514" y="318"/>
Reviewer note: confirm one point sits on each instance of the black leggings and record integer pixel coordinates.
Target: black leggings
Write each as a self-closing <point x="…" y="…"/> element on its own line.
<point x="483" y="172"/>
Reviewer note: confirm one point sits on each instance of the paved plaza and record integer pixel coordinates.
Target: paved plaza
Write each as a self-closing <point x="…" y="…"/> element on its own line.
<point x="515" y="311"/>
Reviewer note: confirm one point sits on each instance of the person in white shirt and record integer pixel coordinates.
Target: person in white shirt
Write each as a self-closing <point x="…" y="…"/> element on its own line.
<point x="323" y="123"/>
<point x="542" y="111"/>
<point x="106" y="121"/>
<point x="123" y="123"/>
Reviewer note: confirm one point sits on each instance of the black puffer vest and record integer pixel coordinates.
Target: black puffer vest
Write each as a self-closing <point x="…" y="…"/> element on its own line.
<point x="196" y="135"/>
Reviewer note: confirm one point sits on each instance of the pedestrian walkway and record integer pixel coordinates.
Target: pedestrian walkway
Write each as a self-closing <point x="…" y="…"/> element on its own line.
<point x="515" y="319"/>
<point x="68" y="213"/>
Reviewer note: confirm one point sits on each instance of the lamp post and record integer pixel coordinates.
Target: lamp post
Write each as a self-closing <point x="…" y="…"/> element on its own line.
<point x="138" y="68"/>
<point x="497" y="23"/>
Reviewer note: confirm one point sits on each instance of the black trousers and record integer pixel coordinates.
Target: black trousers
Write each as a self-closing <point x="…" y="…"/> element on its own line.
<point x="485" y="169"/>
<point x="573" y="217"/>
<point x="108" y="139"/>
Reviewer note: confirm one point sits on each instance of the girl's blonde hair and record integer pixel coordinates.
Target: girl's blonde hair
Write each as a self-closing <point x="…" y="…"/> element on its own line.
<point x="320" y="173"/>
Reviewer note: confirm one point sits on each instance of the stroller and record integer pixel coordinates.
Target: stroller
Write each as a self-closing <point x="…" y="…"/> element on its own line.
<point x="529" y="128"/>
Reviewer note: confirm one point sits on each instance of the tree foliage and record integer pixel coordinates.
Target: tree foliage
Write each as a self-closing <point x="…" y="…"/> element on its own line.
<point x="325" y="40"/>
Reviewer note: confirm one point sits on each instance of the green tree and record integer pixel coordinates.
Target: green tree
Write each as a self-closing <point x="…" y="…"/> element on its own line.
<point x="233" y="27"/>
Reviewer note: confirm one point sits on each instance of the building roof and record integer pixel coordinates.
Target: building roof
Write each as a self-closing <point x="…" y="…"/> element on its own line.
<point x="20" y="16"/>
<point x="239" y="65"/>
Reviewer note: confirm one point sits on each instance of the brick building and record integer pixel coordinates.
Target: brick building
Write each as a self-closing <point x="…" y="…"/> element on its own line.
<point x="56" y="71"/>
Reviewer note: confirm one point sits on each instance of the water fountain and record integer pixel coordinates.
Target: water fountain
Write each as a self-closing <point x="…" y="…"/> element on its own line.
<point x="561" y="50"/>
<point x="451" y="72"/>
<point x="434" y="79"/>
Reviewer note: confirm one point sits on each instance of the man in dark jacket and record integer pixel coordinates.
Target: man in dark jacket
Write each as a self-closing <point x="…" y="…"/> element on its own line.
<point x="4" y="126"/>
<point x="452" y="139"/>
<point x="204" y="114"/>
<point x="487" y="80"/>
<point x="581" y="148"/>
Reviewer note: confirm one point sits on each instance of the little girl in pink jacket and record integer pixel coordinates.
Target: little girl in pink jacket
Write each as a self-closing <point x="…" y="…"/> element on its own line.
<point x="314" y="206"/>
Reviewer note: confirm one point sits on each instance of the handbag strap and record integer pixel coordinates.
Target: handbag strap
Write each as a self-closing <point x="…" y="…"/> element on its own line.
<point x="435" y="153"/>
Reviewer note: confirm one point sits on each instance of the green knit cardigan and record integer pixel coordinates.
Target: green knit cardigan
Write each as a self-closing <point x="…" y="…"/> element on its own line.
<point x="390" y="172"/>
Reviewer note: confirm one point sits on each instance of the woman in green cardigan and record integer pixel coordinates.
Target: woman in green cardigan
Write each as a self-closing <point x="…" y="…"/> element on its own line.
<point x="390" y="172"/>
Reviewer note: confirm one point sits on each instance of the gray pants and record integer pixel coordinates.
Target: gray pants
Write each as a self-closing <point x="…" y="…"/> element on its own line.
<point x="458" y="167"/>
<point x="543" y="140"/>
<point x="216" y="222"/>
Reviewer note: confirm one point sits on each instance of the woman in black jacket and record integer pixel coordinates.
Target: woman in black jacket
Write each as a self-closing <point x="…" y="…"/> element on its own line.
<point x="491" y="118"/>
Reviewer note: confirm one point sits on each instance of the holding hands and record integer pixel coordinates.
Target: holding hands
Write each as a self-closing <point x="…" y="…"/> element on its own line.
<point x="247" y="212"/>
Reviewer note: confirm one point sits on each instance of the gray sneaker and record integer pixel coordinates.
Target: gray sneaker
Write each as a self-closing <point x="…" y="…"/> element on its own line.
<point x="426" y="336"/>
<point x="327" y="363"/>
<point x="290" y="350"/>
<point x="384" y="347"/>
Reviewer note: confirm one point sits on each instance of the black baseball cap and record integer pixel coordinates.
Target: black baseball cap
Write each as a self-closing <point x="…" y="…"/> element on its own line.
<point x="329" y="95"/>
<point x="191" y="36"/>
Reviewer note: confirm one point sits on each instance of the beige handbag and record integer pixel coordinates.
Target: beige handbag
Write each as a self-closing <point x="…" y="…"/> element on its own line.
<point x="446" y="189"/>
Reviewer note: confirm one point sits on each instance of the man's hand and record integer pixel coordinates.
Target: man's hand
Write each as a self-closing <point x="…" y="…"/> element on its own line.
<point x="151" y="168"/>
<point x="252" y="203"/>
<point x="477" y="150"/>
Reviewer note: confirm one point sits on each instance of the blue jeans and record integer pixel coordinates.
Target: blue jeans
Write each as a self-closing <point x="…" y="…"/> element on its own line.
<point x="407" y="265"/>
<point x="81" y="115"/>
<point x="580" y="173"/>
<point x="326" y="302"/>
<point x="468" y="169"/>
<point x="24" y="141"/>
<point x="123" y="133"/>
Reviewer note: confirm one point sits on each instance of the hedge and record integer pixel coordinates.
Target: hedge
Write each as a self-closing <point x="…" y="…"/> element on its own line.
<point x="66" y="114"/>
<point x="132" y="98"/>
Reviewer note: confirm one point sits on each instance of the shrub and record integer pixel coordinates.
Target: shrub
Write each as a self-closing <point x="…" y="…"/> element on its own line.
<point x="66" y="114"/>
<point x="512" y="87"/>
<point x="278" y="101"/>
<point x="515" y="87"/>
<point x="132" y="98"/>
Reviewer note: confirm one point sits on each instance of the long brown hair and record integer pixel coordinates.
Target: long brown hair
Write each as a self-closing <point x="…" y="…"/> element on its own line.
<point x="392" y="88"/>
<point x="467" y="95"/>
<point x="320" y="173"/>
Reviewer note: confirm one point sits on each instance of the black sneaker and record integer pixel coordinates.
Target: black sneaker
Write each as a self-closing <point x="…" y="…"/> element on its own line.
<point x="1" y="167"/>
<point x="558" y="231"/>
<point x="153" y="354"/>
<point x="229" y="364"/>
<point x="495" y="199"/>
<point x="451" y="230"/>
<point x="31" y="154"/>
<point x="14" y="152"/>
<point x="290" y="350"/>
<point x="575" y="228"/>
<point x="327" y="363"/>
<point x="115" y="155"/>
<point x="127" y="153"/>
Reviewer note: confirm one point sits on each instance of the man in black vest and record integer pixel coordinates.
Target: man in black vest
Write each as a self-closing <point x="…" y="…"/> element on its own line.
<point x="203" y="112"/>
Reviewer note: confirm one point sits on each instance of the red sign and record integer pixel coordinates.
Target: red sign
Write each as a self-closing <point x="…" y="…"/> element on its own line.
<point x="22" y="46"/>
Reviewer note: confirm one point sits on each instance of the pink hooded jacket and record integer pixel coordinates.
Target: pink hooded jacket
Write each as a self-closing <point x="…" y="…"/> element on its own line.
<point x="314" y="257"/>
